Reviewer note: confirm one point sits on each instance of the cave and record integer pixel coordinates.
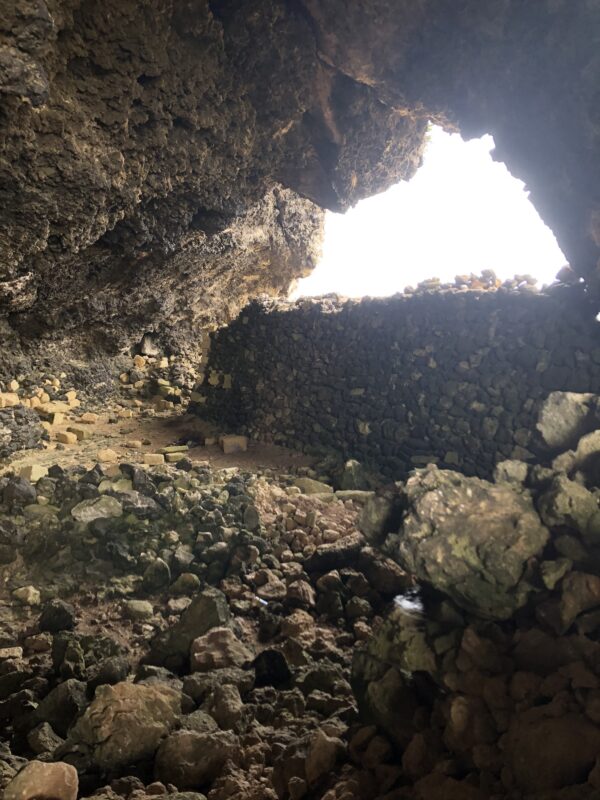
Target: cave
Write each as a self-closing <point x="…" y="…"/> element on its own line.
<point x="317" y="549"/>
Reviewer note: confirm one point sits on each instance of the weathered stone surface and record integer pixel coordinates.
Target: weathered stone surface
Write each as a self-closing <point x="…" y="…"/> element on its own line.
<point x="565" y="417"/>
<point x="217" y="649"/>
<point x="470" y="539"/>
<point x="20" y="429"/>
<point x="207" y="610"/>
<point x="125" y="723"/>
<point x="172" y="148"/>
<point x="41" y="781"/>
<point x="191" y="760"/>
<point x="568" y="504"/>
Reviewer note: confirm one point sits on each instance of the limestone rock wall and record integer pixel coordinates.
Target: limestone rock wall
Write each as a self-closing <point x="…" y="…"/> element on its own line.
<point x="455" y="379"/>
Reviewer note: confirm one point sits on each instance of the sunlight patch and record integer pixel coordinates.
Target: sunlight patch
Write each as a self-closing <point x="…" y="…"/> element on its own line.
<point x="462" y="213"/>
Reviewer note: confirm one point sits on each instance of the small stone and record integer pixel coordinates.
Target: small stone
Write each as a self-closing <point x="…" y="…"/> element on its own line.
<point x="156" y="576"/>
<point x="134" y="444"/>
<point x="138" y="609"/>
<point x="89" y="418"/>
<point x="186" y="584"/>
<point x="39" y="780"/>
<point x="28" y="595"/>
<point x="107" y="455"/>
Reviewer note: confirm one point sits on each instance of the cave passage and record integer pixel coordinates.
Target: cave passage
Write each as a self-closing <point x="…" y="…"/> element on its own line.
<point x="462" y="213"/>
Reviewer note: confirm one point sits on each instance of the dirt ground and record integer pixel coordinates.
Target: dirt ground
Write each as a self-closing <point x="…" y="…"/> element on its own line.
<point x="156" y="432"/>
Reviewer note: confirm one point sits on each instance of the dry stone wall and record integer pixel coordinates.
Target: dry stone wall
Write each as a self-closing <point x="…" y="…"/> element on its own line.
<point x="453" y="378"/>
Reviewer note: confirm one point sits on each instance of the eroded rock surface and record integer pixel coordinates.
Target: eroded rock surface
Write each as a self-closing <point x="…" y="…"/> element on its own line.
<point x="154" y="157"/>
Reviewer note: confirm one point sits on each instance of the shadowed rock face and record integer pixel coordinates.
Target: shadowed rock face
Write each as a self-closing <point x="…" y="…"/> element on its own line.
<point x="143" y="144"/>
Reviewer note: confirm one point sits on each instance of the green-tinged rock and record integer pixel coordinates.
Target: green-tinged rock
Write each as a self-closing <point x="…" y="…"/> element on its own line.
<point x="567" y="504"/>
<point x="469" y="539"/>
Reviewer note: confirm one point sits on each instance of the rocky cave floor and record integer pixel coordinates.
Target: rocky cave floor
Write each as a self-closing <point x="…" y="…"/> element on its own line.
<point x="176" y="621"/>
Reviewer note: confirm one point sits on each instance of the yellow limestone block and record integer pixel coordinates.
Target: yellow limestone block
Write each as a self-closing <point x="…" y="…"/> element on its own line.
<point x="154" y="459"/>
<point x="139" y="362"/>
<point x="9" y="399"/>
<point x="66" y="437"/>
<point x="89" y="418"/>
<point x="33" y="472"/>
<point x="80" y="433"/>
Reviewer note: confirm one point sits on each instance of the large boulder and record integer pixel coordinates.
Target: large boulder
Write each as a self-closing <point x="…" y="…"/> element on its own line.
<point x="41" y="781"/>
<point x="191" y="760"/>
<point x="545" y="753"/>
<point x="125" y="723"/>
<point x="470" y="539"/>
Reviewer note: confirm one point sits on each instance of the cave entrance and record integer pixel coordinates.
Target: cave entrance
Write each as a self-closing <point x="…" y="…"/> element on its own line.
<point x="462" y="213"/>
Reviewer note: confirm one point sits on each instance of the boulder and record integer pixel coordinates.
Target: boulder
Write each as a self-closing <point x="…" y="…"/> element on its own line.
<point x="381" y="514"/>
<point x="470" y="539"/>
<point x="57" y="616"/>
<point x="125" y="723"/>
<point x="42" y="781"/>
<point x="569" y="504"/>
<point x="565" y="417"/>
<point x="217" y="649"/>
<point x="191" y="760"/>
<point x="546" y="753"/>
<point x="171" y="648"/>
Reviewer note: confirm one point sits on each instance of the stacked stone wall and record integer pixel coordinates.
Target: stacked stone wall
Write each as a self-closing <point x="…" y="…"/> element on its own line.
<point x="453" y="378"/>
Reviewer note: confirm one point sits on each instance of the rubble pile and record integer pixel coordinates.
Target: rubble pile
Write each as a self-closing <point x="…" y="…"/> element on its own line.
<point x="186" y="632"/>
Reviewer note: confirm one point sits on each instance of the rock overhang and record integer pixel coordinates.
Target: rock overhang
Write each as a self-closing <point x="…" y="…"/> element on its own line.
<point x="136" y="139"/>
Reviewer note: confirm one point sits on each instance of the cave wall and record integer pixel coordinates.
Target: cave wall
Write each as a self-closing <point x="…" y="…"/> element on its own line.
<point x="455" y="379"/>
<point x="141" y="143"/>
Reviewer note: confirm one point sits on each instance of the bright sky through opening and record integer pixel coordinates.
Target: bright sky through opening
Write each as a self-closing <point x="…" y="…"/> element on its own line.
<point x="461" y="213"/>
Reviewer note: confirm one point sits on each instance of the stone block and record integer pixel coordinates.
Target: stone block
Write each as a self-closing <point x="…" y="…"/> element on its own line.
<point x="33" y="472"/>
<point x="66" y="437"/>
<point x="153" y="459"/>
<point x="234" y="444"/>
